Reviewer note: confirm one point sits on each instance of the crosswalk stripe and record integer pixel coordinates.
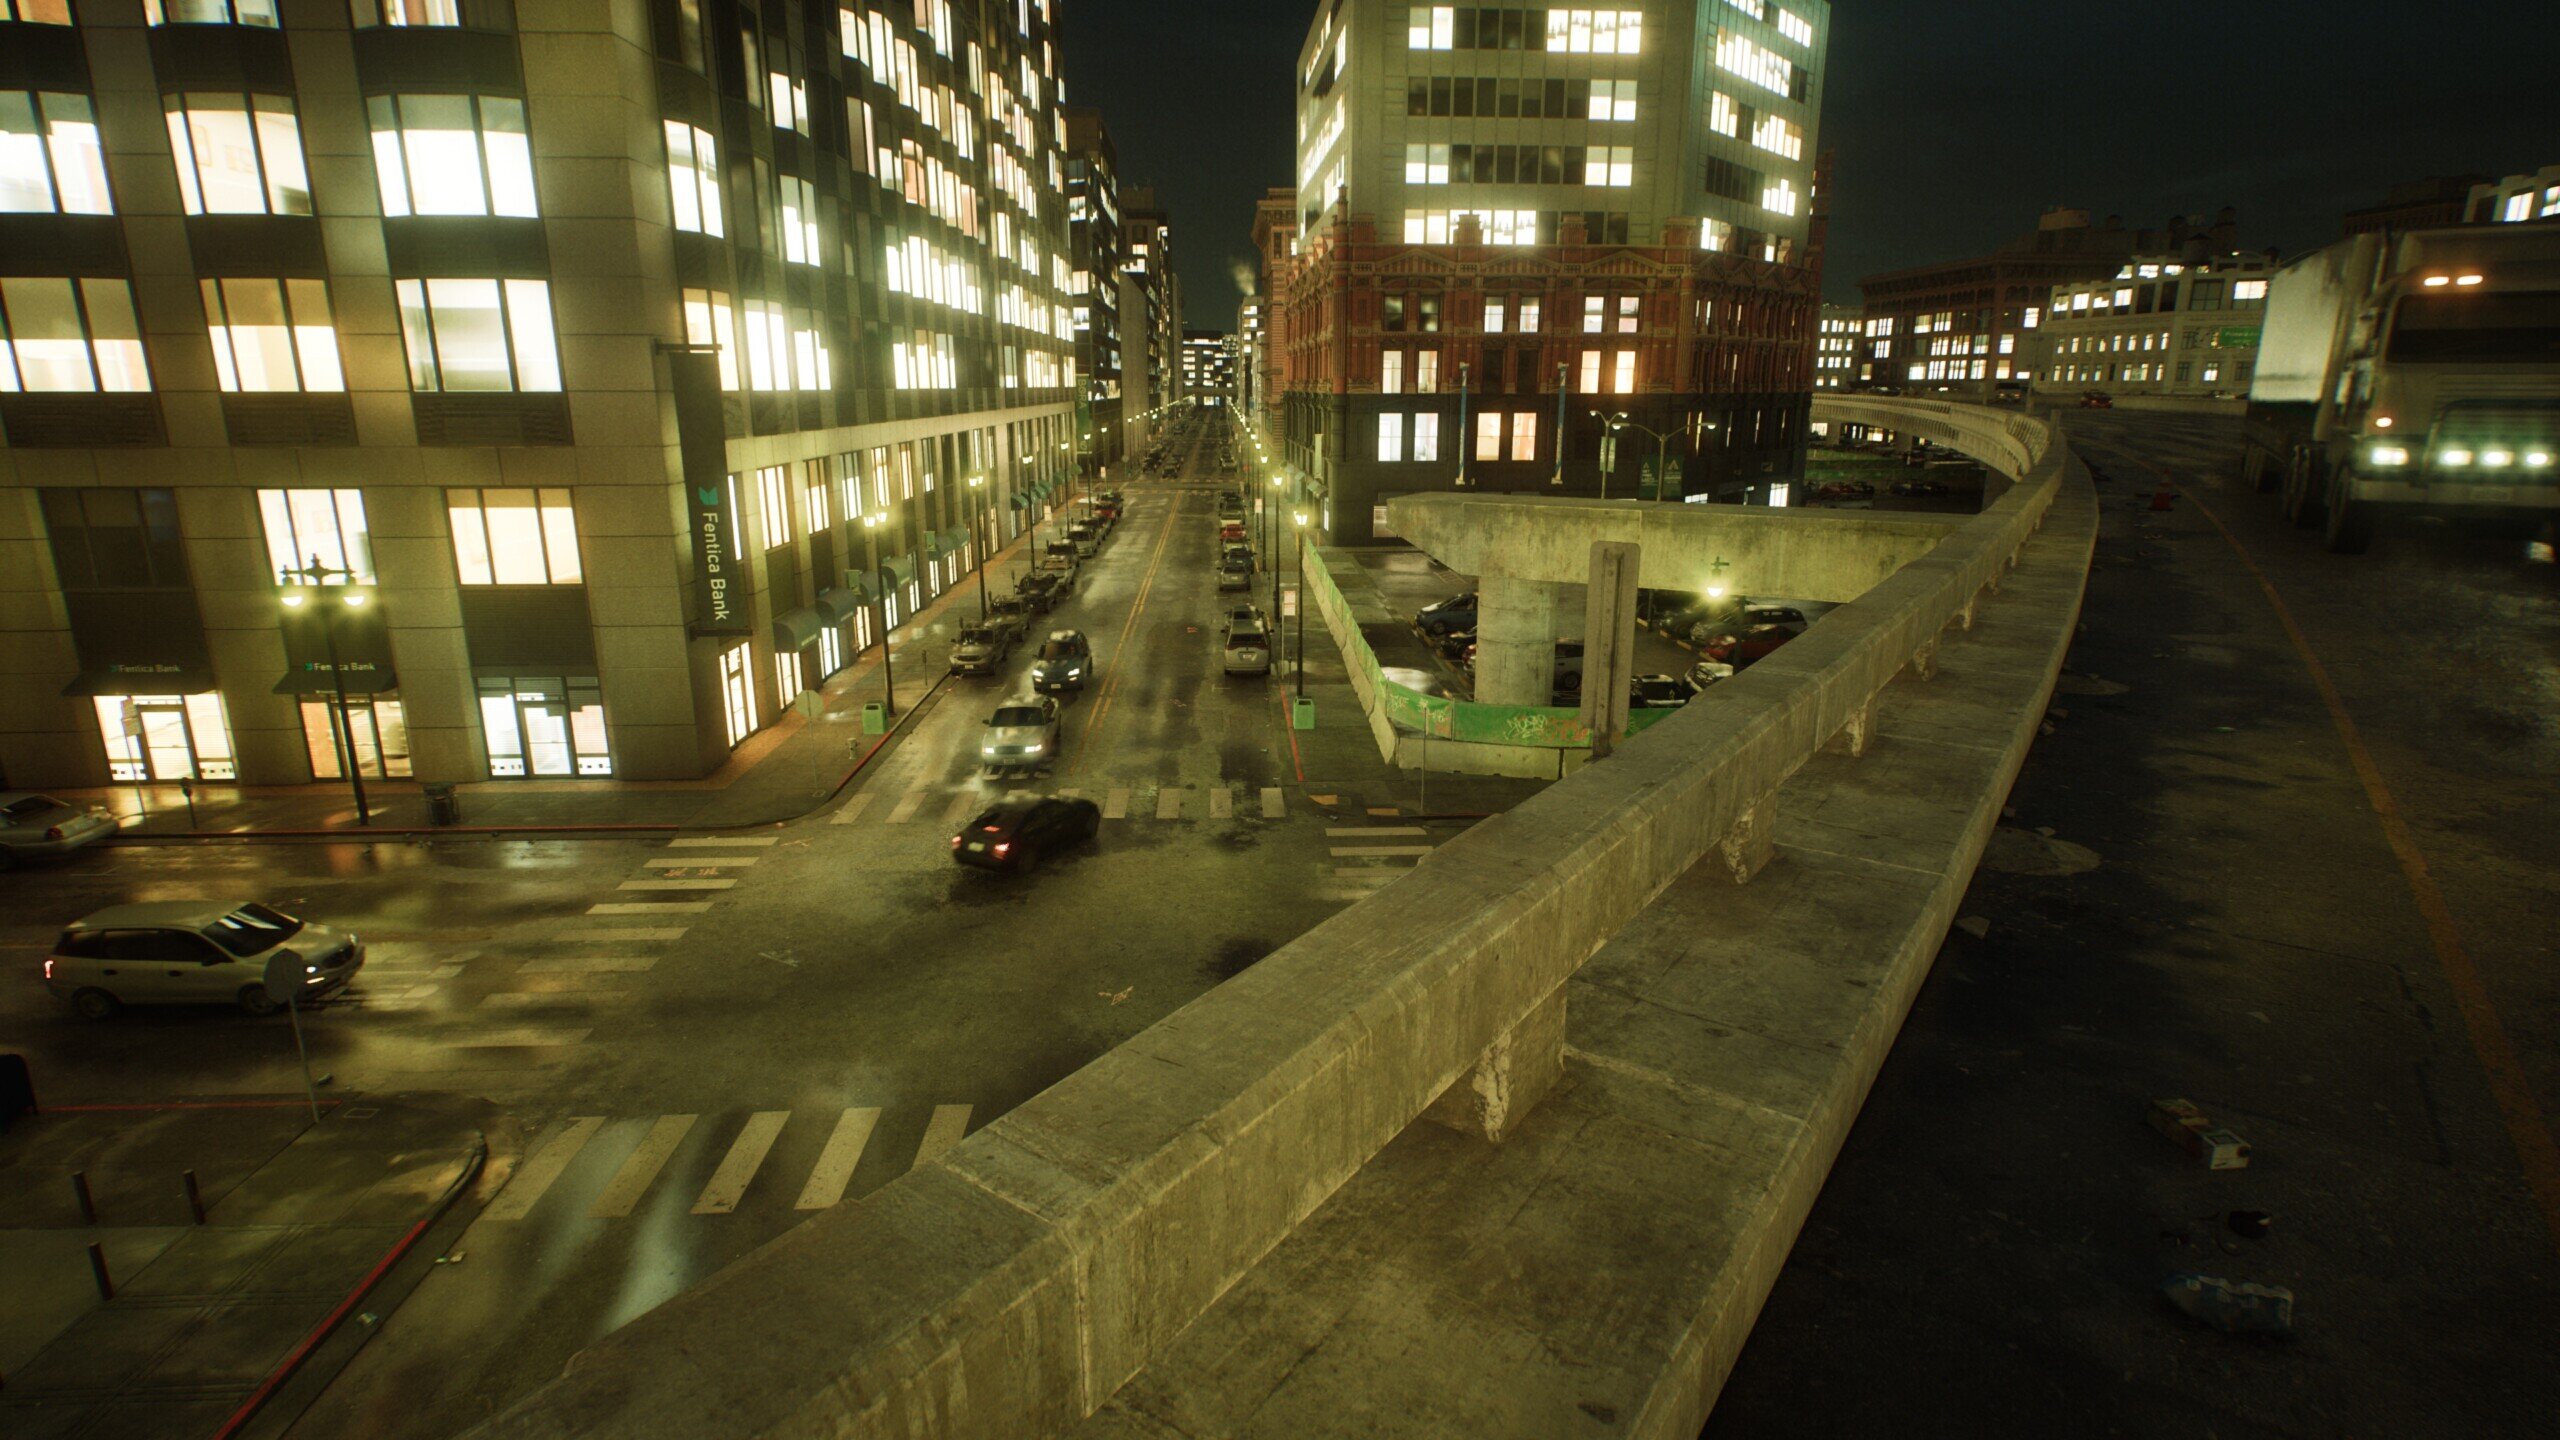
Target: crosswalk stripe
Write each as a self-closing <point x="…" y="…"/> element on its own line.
<point x="1116" y="805"/>
<point x="943" y="1131"/>
<point x="1222" y="803"/>
<point x="1343" y="851"/>
<point x="963" y="806"/>
<point x="703" y="862"/>
<point x="836" y="1163"/>
<point x="653" y="907"/>
<point x="535" y="1175"/>
<point x="1168" y="804"/>
<point x="907" y="807"/>
<point x="722" y="841"/>
<point x="545" y="999"/>
<point x="1275" y="805"/>
<point x="642" y="1166"/>
<point x="517" y="1039"/>
<point x="851" y="810"/>
<point x="615" y="932"/>
<point x="586" y="965"/>
<point x="677" y="885"/>
<point x="729" y="1182"/>
<point x="1340" y="830"/>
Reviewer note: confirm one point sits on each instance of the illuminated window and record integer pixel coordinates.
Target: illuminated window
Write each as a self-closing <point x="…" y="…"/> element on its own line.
<point x="37" y="12"/>
<point x="49" y="156"/>
<point x="1426" y="437"/>
<point x="773" y="492"/>
<point x="1592" y="360"/>
<point x="272" y="335"/>
<point x="407" y="12"/>
<point x="1624" y="381"/>
<point x="466" y="335"/>
<point x="1611" y="165"/>
<point x="1779" y="136"/>
<point x="1390" y="438"/>
<point x="786" y="675"/>
<point x="693" y="178"/>
<point x="1595" y="314"/>
<point x="1780" y="197"/>
<point x="1738" y="54"/>
<point x="238" y="154"/>
<point x="798" y="204"/>
<point x="2519" y="207"/>
<point x="1795" y="27"/>
<point x="2248" y="290"/>
<point x="1493" y="316"/>
<point x="1595" y="32"/>
<point x="1426" y="164"/>
<point x="1524" y="435"/>
<point x="1529" y="315"/>
<point x="790" y="102"/>
<point x="816" y="497"/>
<point x="1489" y="435"/>
<point x="1391" y="372"/>
<point x="451" y="155"/>
<point x="1723" y="115"/>
<point x="1613" y="100"/>
<point x="69" y="337"/>
<point x="738" y="692"/>
<point x="514" y="537"/>
<point x="1627" y="314"/>
<point x="710" y="320"/>
<point x="324" y="525"/>
<point x="210" y="12"/>
<point x="1432" y="28"/>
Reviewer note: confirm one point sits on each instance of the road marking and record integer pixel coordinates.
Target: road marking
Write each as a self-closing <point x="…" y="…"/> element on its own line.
<point x="1168" y="804"/>
<point x="535" y="1175"/>
<point x="1382" y="873"/>
<point x="1222" y="803"/>
<point x="836" y="1163"/>
<point x="699" y="862"/>
<point x="723" y="842"/>
<point x="963" y="806"/>
<point x="586" y="965"/>
<point x="1340" y="830"/>
<point x="907" y="807"/>
<point x="542" y="999"/>
<point x="851" y="810"/>
<point x="611" y="932"/>
<point x="943" y="1131"/>
<point x="641" y="1167"/>
<point x="517" y="1039"/>
<point x="1343" y="851"/>
<point x="729" y="1182"/>
<point x="2537" y="1152"/>
<point x="677" y="885"/>
<point x="651" y="907"/>
<point x="1115" y="806"/>
<point x="1137" y="608"/>
<point x="1275" y="805"/>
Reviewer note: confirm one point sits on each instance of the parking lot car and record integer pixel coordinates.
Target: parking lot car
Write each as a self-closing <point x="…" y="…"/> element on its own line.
<point x="1087" y="538"/>
<point x="1741" y="647"/>
<point x="1659" y="692"/>
<point x="1248" y="651"/>
<point x="1235" y="573"/>
<point x="1732" y="621"/>
<point x="1231" y="532"/>
<point x="1010" y="614"/>
<point x="1065" y="662"/>
<point x="1921" y="487"/>
<point x="1018" y="834"/>
<point x="1041" y="590"/>
<point x="1458" y="612"/>
<point x="182" y="952"/>
<point x="1709" y="672"/>
<point x="980" y="650"/>
<point x="1021" y="735"/>
<point x="2096" y="400"/>
<point x="34" y="827"/>
<point x="1243" y="615"/>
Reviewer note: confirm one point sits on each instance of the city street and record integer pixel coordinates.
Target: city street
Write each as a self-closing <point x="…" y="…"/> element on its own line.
<point x="698" y="1042"/>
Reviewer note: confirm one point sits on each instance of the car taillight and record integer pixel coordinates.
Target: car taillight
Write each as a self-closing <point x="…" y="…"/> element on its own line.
<point x="1002" y="846"/>
<point x="53" y="832"/>
<point x="48" y="968"/>
<point x="955" y="842"/>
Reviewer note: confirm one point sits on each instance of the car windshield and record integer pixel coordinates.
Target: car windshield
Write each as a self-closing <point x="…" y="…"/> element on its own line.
<point x="1061" y="650"/>
<point x="252" y="928"/>
<point x="1014" y="717"/>
<point x="25" y="806"/>
<point x="976" y="635"/>
<point x="1245" y="637"/>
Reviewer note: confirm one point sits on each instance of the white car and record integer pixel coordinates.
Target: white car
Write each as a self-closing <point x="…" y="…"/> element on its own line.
<point x="184" y="952"/>
<point x="1021" y="735"/>
<point x="34" y="826"/>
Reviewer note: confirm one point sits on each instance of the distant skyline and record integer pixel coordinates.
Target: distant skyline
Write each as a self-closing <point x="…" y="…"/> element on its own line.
<point x="1953" y="129"/>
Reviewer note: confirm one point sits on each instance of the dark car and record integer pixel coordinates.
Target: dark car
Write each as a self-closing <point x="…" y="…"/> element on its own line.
<point x="980" y="650"/>
<point x="1042" y="589"/>
<point x="1659" y="692"/>
<point x="1458" y="612"/>
<point x="2096" y="400"/>
<point x="1741" y="647"/>
<point x="1065" y="663"/>
<point x="1921" y="487"/>
<point x="1010" y="614"/>
<point x="1731" y="622"/>
<point x="1019" y="834"/>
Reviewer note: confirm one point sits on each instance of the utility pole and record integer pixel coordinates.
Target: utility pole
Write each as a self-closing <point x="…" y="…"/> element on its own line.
<point x="316" y="575"/>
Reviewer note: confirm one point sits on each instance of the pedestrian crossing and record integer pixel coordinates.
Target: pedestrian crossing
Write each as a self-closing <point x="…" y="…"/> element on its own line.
<point x="611" y="1168"/>
<point x="926" y="804"/>
<point x="1363" y="859"/>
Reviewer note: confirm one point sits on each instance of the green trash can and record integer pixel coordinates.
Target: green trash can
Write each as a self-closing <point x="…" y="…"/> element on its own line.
<point x="1302" y="714"/>
<point x="875" y="718"/>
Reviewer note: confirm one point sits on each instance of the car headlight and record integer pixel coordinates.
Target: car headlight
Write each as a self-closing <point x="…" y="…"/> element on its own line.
<point x="2497" y="459"/>
<point x="2453" y="457"/>
<point x="1076" y="674"/>
<point x="986" y="749"/>
<point x="2389" y="455"/>
<point x="2537" y="459"/>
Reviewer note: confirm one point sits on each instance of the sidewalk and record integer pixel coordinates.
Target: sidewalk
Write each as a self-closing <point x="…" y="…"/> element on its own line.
<point x="780" y="773"/>
<point x="207" y="1321"/>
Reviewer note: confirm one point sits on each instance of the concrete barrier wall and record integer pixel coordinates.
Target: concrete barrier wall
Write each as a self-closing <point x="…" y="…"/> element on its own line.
<point x="1008" y="1288"/>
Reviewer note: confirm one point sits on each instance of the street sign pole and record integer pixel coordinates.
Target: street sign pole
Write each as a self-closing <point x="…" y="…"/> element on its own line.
<point x="284" y="977"/>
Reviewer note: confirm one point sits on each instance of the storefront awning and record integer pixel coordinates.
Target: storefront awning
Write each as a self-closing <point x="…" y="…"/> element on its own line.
<point x="836" y="606"/>
<point x="354" y="679"/>
<point x="171" y="680"/>
<point x="796" y="630"/>
<point x="862" y="585"/>
<point x="900" y="568"/>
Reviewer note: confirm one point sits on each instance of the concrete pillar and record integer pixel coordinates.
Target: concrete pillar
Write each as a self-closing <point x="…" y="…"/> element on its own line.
<point x="1512" y="1076"/>
<point x="1608" y="642"/>
<point x="1515" y="640"/>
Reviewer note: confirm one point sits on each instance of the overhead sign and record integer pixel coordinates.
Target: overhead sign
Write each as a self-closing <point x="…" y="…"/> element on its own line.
<point x="719" y="573"/>
<point x="2237" y="337"/>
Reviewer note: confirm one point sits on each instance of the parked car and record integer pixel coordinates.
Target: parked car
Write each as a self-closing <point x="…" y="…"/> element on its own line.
<point x="1041" y="590"/>
<point x="1458" y="612"/>
<point x="181" y="952"/>
<point x="1019" y="834"/>
<point x="1231" y="532"/>
<point x="34" y="827"/>
<point x="1659" y="692"/>
<point x="1087" y="539"/>
<point x="1922" y="487"/>
<point x="1456" y="644"/>
<point x="1010" y="614"/>
<point x="1065" y="662"/>
<point x="980" y="650"/>
<point x="1235" y="573"/>
<point x="1243" y="615"/>
<point x="1709" y="672"/>
<point x="1021" y="735"/>
<point x="2096" y="400"/>
<point x="1742" y="647"/>
<point x="1248" y="651"/>
<point x="1731" y="621"/>
<point x="1060" y="556"/>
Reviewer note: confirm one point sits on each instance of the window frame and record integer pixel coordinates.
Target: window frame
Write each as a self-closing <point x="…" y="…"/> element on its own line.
<point x="519" y="342"/>
<point x="397" y="170"/>
<point x="555" y="534"/>
<point x="263" y="126"/>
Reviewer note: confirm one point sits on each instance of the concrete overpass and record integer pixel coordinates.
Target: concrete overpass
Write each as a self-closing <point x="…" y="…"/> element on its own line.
<point x="1642" y="1009"/>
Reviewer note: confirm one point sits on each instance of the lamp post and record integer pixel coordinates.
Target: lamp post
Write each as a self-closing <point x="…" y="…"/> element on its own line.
<point x="1662" y="460"/>
<point x="314" y="575"/>
<point x="880" y="607"/>
<point x="1466" y="442"/>
<point x="978" y="503"/>
<point x="1271" y="540"/>
<point x="1300" y="516"/>
<point x="1562" y="372"/>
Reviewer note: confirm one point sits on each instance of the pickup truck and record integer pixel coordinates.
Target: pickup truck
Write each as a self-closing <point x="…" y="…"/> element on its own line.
<point x="980" y="650"/>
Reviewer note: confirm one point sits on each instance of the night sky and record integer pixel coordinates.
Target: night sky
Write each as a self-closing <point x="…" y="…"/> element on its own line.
<point x="1955" y="125"/>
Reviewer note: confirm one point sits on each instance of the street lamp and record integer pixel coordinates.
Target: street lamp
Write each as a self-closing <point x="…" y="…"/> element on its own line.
<point x="880" y="606"/>
<point x="1300" y="516"/>
<point x="1562" y="371"/>
<point x="1662" y="460"/>
<point x="317" y="574"/>
<point x="978" y="500"/>
<point x="1271" y="540"/>
<point x="1466" y="445"/>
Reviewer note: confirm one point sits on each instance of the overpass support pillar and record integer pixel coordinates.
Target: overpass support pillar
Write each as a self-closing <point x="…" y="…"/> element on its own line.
<point x="1513" y="1074"/>
<point x="1515" y="640"/>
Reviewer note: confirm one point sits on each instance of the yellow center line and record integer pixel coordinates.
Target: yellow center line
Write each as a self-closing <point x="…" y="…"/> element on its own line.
<point x="1137" y="607"/>
<point x="2526" y="1128"/>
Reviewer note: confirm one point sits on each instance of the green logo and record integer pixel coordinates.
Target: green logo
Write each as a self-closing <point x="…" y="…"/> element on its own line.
<point x="707" y="495"/>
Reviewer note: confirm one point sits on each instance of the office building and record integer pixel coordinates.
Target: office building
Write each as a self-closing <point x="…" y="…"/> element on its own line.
<point x="1209" y="368"/>
<point x="1093" y="222"/>
<point x="2181" y="323"/>
<point x="1516" y="228"/>
<point x="2517" y="198"/>
<point x="1970" y="327"/>
<point x="1150" y="301"/>
<point x="598" y="378"/>
<point x="1839" y="348"/>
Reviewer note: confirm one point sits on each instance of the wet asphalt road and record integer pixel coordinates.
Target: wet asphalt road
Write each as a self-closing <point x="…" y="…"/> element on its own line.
<point x="2220" y="915"/>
